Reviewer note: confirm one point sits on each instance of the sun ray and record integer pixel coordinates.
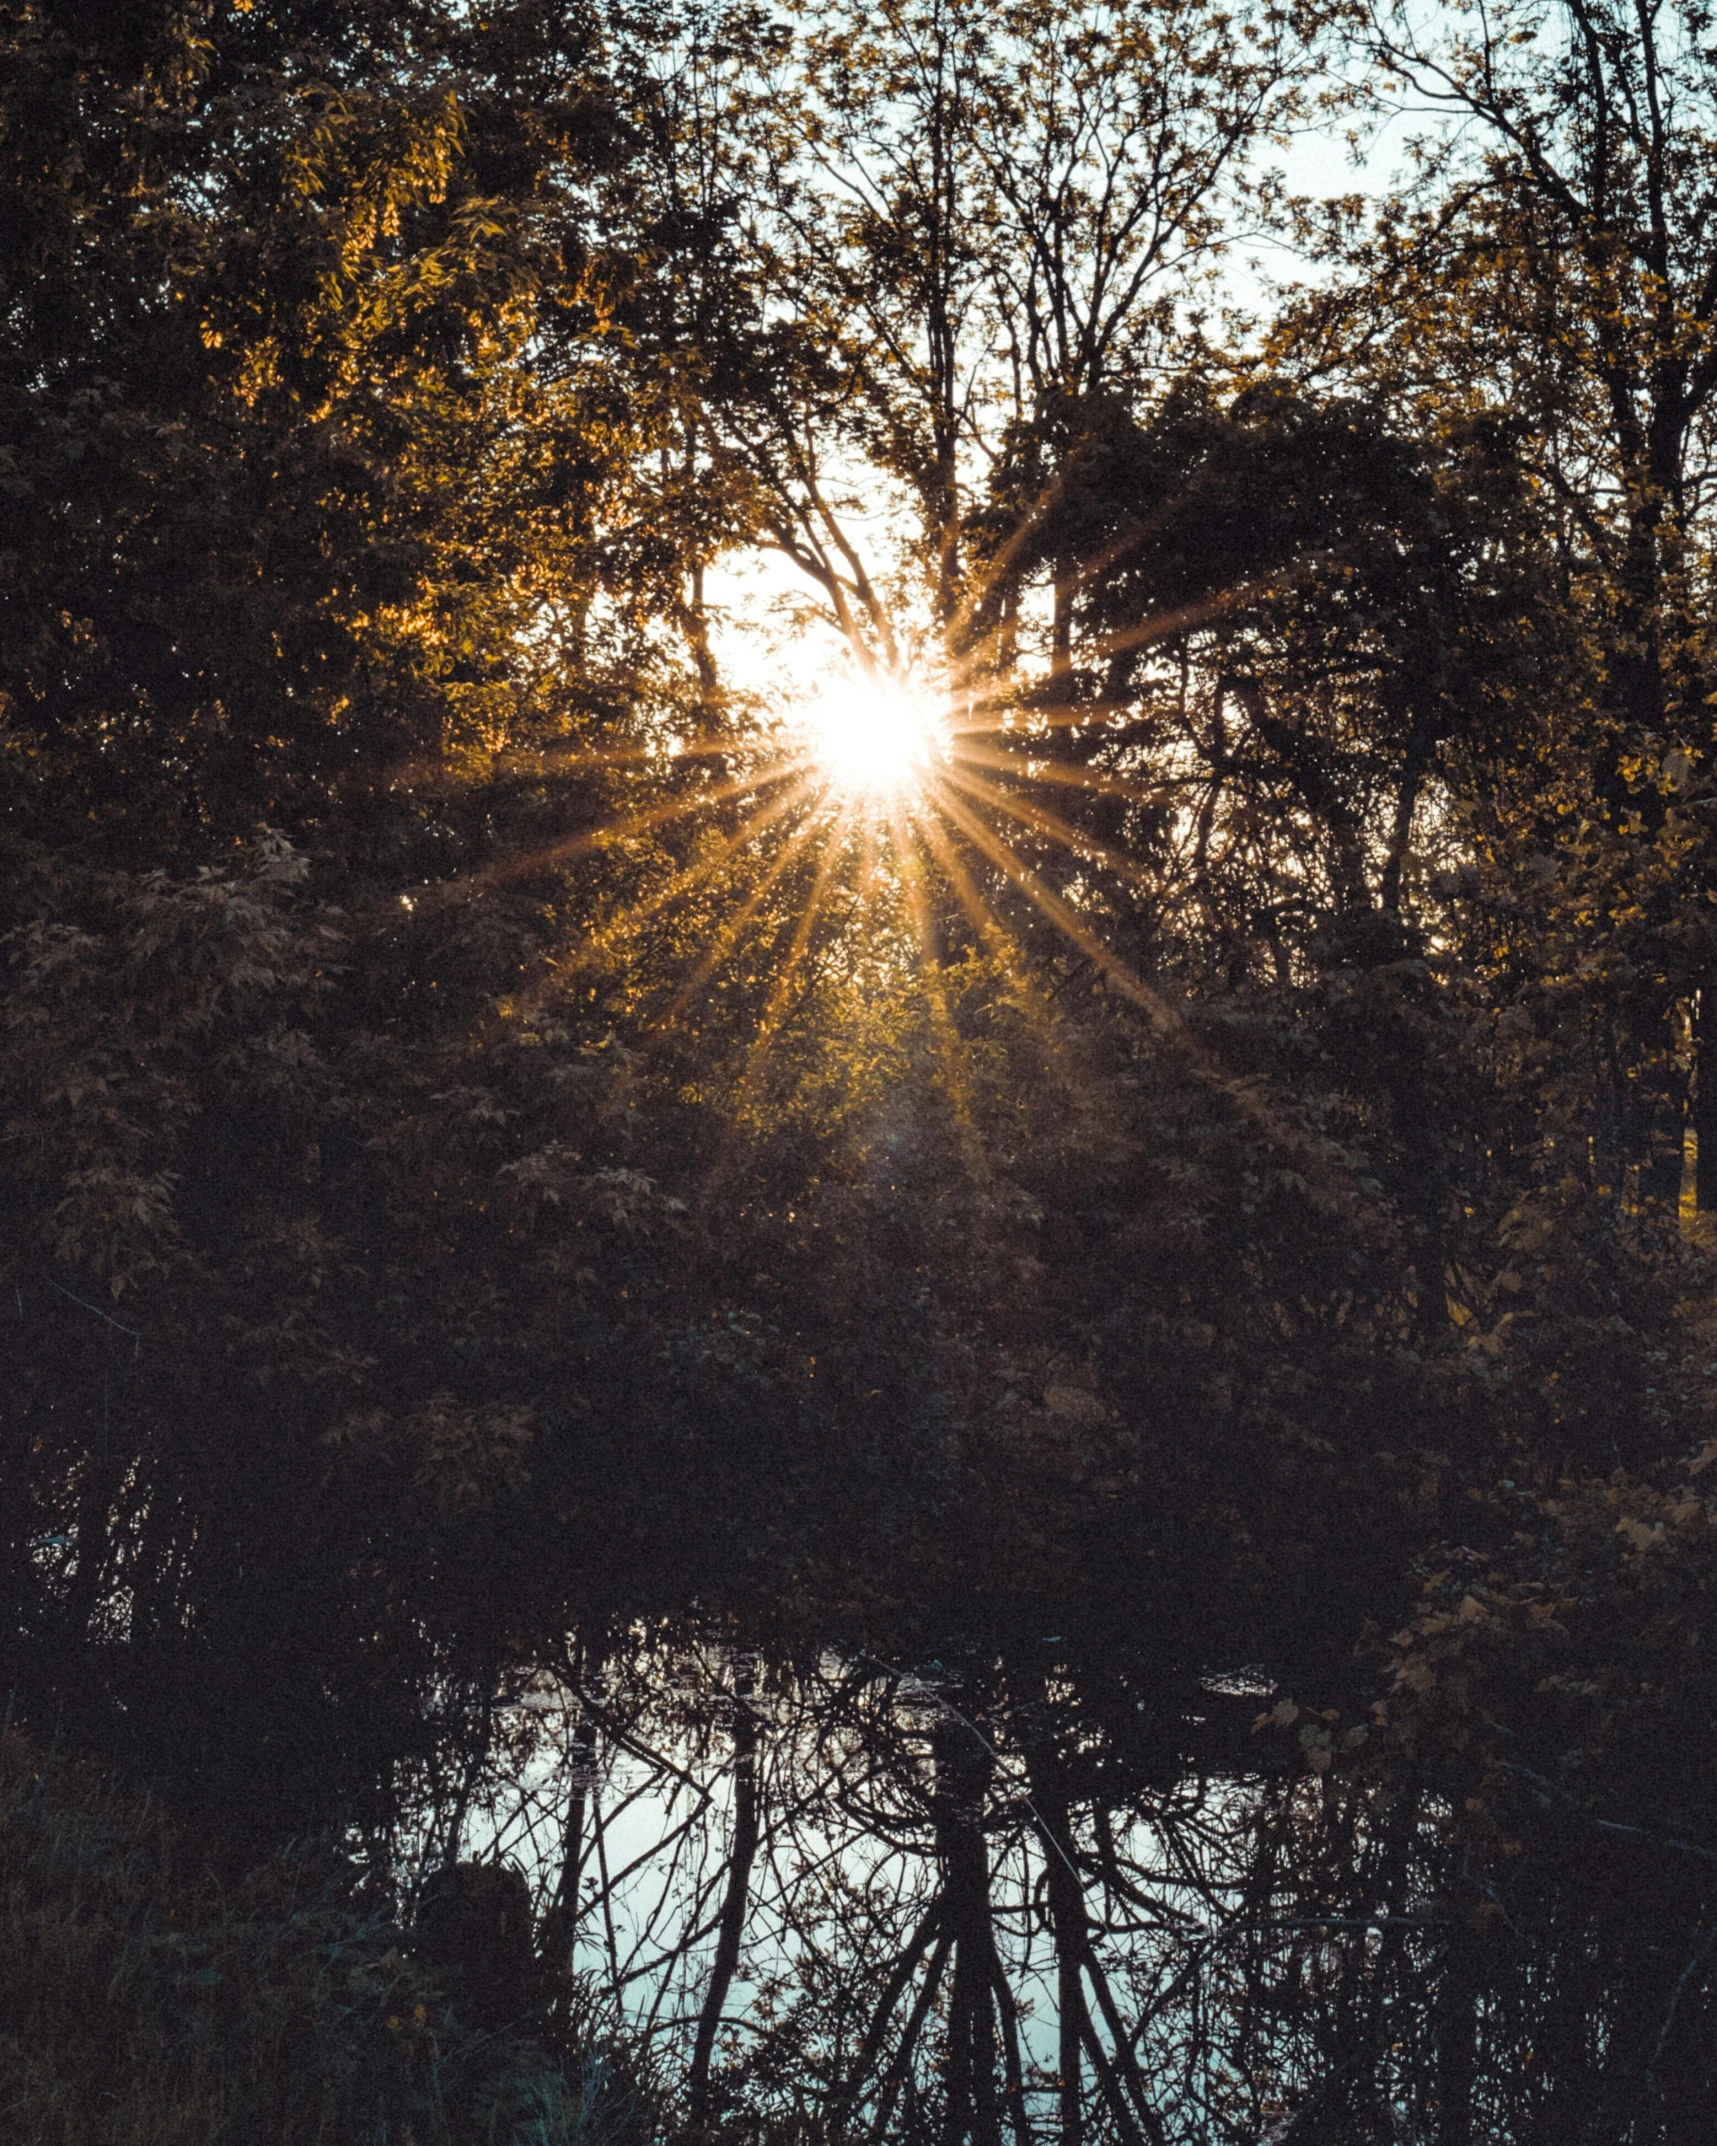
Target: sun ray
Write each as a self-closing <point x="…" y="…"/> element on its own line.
<point x="1024" y="529"/>
<point x="622" y="926"/>
<point x="1189" y="618"/>
<point x="592" y="839"/>
<point x="762" y="1043"/>
<point x="993" y="932"/>
<point x="1060" y="914"/>
<point x="729" y="935"/>
<point x="774" y="1008"/>
<point x="979" y="914"/>
<point x="1024" y="714"/>
<point x="949" y="1044"/>
<point x="1168" y="624"/>
<point x="870" y="857"/>
<point x="1097" y="781"/>
<point x="1125" y="981"/>
<point x="1049" y="497"/>
<point x="1027" y="719"/>
<point x="1044" y="822"/>
<point x="555" y="763"/>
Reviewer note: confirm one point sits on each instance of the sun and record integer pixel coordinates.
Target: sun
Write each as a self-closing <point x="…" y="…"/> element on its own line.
<point x="874" y="735"/>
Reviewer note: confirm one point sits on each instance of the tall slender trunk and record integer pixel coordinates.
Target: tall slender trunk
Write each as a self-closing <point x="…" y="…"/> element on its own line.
<point x="730" y="1925"/>
<point x="1061" y="626"/>
<point x="1705" y="1097"/>
<point x="697" y="635"/>
<point x="558" y="1937"/>
<point x="560" y="1925"/>
<point x="1456" y="2045"/>
<point x="963" y="1769"/>
<point x="1413" y="767"/>
<point x="1068" y="1932"/>
<point x="696" y="621"/>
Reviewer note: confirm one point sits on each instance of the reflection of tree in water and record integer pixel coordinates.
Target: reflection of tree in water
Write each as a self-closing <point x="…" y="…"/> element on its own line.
<point x="1014" y="1902"/>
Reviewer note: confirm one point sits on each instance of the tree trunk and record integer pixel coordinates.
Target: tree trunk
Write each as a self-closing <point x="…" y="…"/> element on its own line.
<point x="1068" y="1930"/>
<point x="963" y="1768"/>
<point x="730" y="1928"/>
<point x="1456" y="2037"/>
<point x="1705" y="1099"/>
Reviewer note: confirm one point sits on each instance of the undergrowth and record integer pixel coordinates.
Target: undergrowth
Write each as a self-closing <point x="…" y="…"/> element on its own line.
<point x="150" y="1998"/>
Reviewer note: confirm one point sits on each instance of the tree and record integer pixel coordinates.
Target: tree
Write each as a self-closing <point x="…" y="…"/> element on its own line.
<point x="1552" y="256"/>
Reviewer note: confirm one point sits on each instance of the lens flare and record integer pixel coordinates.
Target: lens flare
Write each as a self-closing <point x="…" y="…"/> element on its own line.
<point x="875" y="736"/>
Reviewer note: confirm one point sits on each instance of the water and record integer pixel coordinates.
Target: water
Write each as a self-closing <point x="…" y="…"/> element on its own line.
<point x="1015" y="1896"/>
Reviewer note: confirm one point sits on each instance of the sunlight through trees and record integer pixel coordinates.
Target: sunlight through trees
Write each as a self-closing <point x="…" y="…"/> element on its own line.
<point x="860" y="1107"/>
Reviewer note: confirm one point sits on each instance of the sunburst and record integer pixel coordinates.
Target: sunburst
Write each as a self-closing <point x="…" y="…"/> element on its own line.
<point x="875" y="735"/>
<point x="869" y="763"/>
<point x="885" y="783"/>
<point x="902" y="783"/>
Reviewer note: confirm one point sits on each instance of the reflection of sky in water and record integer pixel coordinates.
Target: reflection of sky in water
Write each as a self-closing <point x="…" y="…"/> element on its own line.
<point x="847" y="1865"/>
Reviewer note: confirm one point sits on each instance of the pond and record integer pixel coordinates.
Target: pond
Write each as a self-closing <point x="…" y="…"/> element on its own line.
<point x="1019" y="1895"/>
